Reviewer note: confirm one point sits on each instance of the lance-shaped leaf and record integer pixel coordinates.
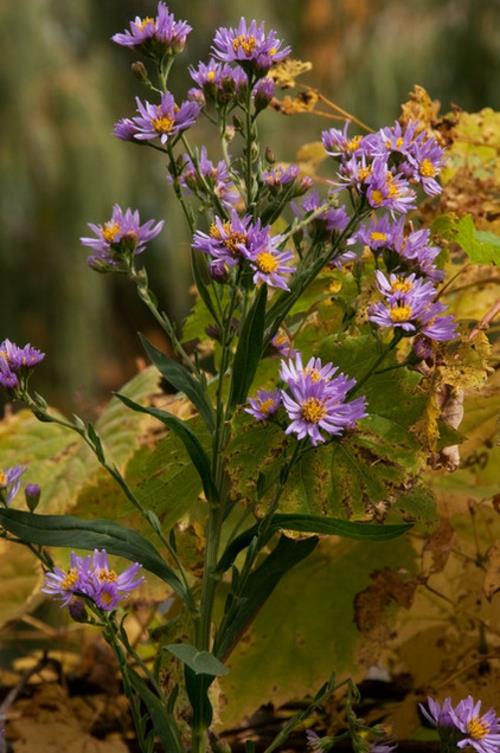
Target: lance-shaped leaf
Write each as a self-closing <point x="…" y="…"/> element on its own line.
<point x="163" y="721"/>
<point x="201" y="662"/>
<point x="190" y="440"/>
<point x="181" y="379"/>
<point x="201" y="277"/>
<point x="70" y="532"/>
<point x="313" y="524"/>
<point x="260" y="585"/>
<point x="249" y="349"/>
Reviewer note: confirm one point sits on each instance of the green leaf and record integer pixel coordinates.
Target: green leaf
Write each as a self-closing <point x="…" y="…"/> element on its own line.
<point x="260" y="585"/>
<point x="201" y="277"/>
<point x="163" y="721"/>
<point x="313" y="524"/>
<point x="481" y="248"/>
<point x="190" y="440"/>
<point x="249" y="349"/>
<point x="70" y="532"/>
<point x="201" y="662"/>
<point x="181" y="379"/>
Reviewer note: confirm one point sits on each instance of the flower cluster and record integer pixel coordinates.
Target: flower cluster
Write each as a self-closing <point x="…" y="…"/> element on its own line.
<point x="411" y="307"/>
<point x="165" y="121"/>
<point x="384" y="166"/>
<point x="314" y="397"/>
<point x="250" y="46"/>
<point x="239" y="241"/>
<point x="92" y="576"/>
<point x="155" y="36"/>
<point x="16" y="363"/>
<point x="119" y="239"/>
<point x="464" y="725"/>
<point x="207" y="177"/>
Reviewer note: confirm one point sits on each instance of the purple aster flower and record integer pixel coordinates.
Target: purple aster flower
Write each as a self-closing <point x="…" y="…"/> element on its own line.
<point x="482" y="731"/>
<point x="119" y="239"/>
<point x="339" y="262"/>
<point x="107" y="587"/>
<point x="217" y="176"/>
<point x="263" y="92"/>
<point x="315" y="406"/>
<point x="157" y="36"/>
<point x="164" y="121"/>
<point x="329" y="221"/>
<point x="396" y="287"/>
<point x="376" y="234"/>
<point x="439" y="715"/>
<point x="197" y="96"/>
<point x="227" y="240"/>
<point x="396" y="138"/>
<point x="65" y="584"/>
<point x="280" y="176"/>
<point x="283" y="344"/>
<point x="337" y="142"/>
<point x="10" y="483"/>
<point x="264" y="405"/>
<point x="8" y="379"/>
<point x="125" y="129"/>
<point x="249" y="44"/>
<point x="294" y="372"/>
<point x="219" y="81"/>
<point x="388" y="190"/>
<point x="424" y="163"/>
<point x="18" y="359"/>
<point x="416" y="248"/>
<point x="271" y="265"/>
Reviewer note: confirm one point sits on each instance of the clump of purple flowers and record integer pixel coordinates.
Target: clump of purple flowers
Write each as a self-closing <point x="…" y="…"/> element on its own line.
<point x="207" y="178"/>
<point x="464" y="725"/>
<point x="411" y="307"/>
<point x="155" y="36"/>
<point x="119" y="239"/>
<point x="92" y="577"/>
<point x="315" y="398"/>
<point x="249" y="45"/>
<point x="16" y="363"/>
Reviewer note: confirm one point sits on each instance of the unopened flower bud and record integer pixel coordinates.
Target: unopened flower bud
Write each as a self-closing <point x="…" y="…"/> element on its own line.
<point x="229" y="133"/>
<point x="32" y="494"/>
<point x="218" y="271"/>
<point x="263" y="92"/>
<point x="196" y="95"/>
<point x="269" y="155"/>
<point x="139" y="70"/>
<point x="78" y="611"/>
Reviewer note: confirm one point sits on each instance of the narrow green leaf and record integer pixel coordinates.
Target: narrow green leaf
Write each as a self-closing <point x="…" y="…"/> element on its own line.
<point x="190" y="440"/>
<point x="201" y="277"/>
<point x="70" y="532"/>
<point x="260" y="585"/>
<point x="163" y="722"/>
<point x="181" y="379"/>
<point x="249" y="349"/>
<point x="313" y="524"/>
<point x="201" y="662"/>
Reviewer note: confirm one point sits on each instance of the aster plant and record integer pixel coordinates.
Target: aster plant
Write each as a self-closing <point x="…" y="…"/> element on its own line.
<point x="261" y="240"/>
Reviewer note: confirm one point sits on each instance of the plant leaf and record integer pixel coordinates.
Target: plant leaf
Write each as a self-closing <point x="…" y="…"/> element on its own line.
<point x="70" y="532"/>
<point x="190" y="440"/>
<point x="163" y="722"/>
<point x="249" y="350"/>
<point x="181" y="379"/>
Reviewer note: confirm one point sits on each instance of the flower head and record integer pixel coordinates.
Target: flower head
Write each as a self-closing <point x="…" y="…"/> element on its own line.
<point x="385" y="189"/>
<point x="10" y="483"/>
<point x="216" y="176"/>
<point x="481" y="731"/>
<point x="438" y="714"/>
<point x="219" y="81"/>
<point x="264" y="405"/>
<point x="17" y="362"/>
<point x="283" y="344"/>
<point x="270" y="265"/>
<point x="164" y="121"/>
<point x="338" y="143"/>
<point x="227" y="241"/>
<point x="263" y="92"/>
<point x="293" y="371"/>
<point x="119" y="239"/>
<point x="378" y="233"/>
<point x="64" y="584"/>
<point x="249" y="44"/>
<point x="157" y="36"/>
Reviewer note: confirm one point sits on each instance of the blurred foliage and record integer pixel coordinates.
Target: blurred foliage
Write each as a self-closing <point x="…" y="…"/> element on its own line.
<point x="62" y="86"/>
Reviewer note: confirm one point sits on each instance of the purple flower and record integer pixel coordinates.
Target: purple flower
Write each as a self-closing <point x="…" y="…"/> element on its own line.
<point x="424" y="164"/>
<point x="227" y="240"/>
<point x="249" y="43"/>
<point x="264" y="405"/>
<point x="32" y="494"/>
<point x="16" y="363"/>
<point x="281" y="175"/>
<point x="294" y="371"/>
<point x="263" y="92"/>
<point x="125" y="129"/>
<point x="315" y="406"/>
<point x="388" y="190"/>
<point x="219" y="81"/>
<point x="482" y="731"/>
<point x="283" y="344"/>
<point x="119" y="239"/>
<point x="10" y="483"/>
<point x="164" y="121"/>
<point x="337" y="143"/>
<point x="386" y="746"/>
<point x="271" y="265"/>
<point x="415" y="247"/>
<point x="94" y="578"/>
<point x="376" y="234"/>
<point x="157" y="36"/>
<point x="439" y="715"/>
<point x="394" y="138"/>
<point x="217" y="176"/>
<point x="398" y="286"/>
<point x="334" y="219"/>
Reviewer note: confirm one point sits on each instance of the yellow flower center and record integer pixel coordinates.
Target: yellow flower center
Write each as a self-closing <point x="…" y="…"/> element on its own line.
<point x="477" y="728"/>
<point x="378" y="236"/>
<point x="400" y="313"/>
<point x="148" y="21"/>
<point x="377" y="197"/>
<point x="266" y="406"/>
<point x="393" y="191"/>
<point x="110" y="231"/>
<point x="427" y="169"/>
<point x="70" y="579"/>
<point x="314" y="374"/>
<point x="3" y="479"/>
<point x="211" y="76"/>
<point x="281" y="340"/>
<point x="364" y="172"/>
<point x="266" y="262"/>
<point x="402" y="286"/>
<point x="234" y="240"/>
<point x="164" y="124"/>
<point x="353" y="144"/>
<point x="107" y="576"/>
<point x="105" y="598"/>
<point x="245" y="42"/>
<point x="313" y="410"/>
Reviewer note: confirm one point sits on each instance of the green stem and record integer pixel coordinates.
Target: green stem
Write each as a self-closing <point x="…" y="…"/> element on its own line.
<point x="396" y="338"/>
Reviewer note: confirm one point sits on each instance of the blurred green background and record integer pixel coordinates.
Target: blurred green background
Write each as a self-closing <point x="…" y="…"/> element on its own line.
<point x="63" y="85"/>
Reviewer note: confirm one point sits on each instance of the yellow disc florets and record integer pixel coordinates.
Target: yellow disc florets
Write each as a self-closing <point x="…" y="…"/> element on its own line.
<point x="313" y="410"/>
